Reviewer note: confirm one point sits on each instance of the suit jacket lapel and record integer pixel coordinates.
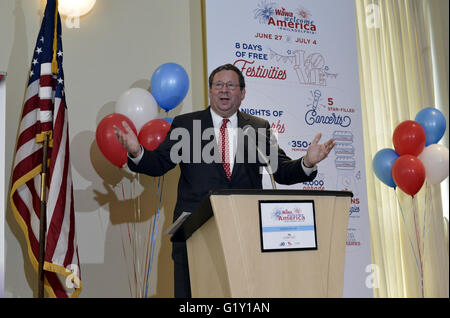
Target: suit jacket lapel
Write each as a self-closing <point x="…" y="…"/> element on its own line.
<point x="243" y="120"/>
<point x="207" y="123"/>
<point x="206" y="119"/>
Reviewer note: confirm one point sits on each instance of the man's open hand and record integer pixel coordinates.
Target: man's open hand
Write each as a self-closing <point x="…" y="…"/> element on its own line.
<point x="128" y="139"/>
<point x="317" y="152"/>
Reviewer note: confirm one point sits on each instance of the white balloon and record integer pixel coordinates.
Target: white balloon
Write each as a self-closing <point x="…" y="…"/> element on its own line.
<point x="138" y="105"/>
<point x="435" y="159"/>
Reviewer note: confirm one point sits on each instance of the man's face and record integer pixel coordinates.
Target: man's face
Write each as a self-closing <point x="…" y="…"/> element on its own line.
<point x="226" y="99"/>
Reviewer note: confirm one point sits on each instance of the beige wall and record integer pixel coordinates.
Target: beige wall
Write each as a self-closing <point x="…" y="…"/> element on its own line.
<point x="118" y="45"/>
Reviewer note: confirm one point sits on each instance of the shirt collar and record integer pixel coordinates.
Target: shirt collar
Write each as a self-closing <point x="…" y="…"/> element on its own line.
<point x="217" y="119"/>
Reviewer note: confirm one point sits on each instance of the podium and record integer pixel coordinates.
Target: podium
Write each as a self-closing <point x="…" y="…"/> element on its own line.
<point x="225" y="247"/>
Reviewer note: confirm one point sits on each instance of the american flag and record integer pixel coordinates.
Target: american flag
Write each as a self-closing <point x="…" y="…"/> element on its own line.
<point x="45" y="111"/>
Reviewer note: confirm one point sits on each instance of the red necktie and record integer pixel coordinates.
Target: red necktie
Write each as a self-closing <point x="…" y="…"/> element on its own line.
<point x="225" y="148"/>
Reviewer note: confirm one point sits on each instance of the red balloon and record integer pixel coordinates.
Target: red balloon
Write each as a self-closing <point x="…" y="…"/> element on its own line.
<point x="107" y="141"/>
<point x="153" y="133"/>
<point x="409" y="138"/>
<point x="408" y="173"/>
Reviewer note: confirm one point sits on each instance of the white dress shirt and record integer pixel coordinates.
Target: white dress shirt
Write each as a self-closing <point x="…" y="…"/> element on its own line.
<point x="232" y="126"/>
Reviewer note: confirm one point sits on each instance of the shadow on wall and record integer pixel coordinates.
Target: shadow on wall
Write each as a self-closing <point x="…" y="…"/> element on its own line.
<point x="132" y="202"/>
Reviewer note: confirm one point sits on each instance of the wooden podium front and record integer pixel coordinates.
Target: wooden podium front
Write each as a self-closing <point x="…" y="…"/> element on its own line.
<point x="225" y="256"/>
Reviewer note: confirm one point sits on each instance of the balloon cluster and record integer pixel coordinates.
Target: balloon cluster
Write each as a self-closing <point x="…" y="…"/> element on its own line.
<point x="139" y="108"/>
<point x="417" y="156"/>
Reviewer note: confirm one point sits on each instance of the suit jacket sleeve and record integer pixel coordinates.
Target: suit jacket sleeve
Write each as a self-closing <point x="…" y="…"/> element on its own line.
<point x="291" y="171"/>
<point x="288" y="171"/>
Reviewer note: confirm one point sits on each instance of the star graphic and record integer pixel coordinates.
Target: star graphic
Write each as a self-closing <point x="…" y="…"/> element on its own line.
<point x="35" y="61"/>
<point x="60" y="53"/>
<point x="60" y="80"/>
<point x="39" y="50"/>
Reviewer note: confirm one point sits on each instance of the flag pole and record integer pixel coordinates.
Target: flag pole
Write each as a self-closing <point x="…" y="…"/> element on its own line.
<point x="43" y="217"/>
<point x="46" y="145"/>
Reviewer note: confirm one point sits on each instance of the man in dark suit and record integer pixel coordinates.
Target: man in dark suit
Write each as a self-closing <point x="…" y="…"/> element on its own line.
<point x="189" y="145"/>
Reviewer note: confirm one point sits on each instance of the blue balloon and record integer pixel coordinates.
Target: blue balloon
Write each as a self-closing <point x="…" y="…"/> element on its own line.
<point x="169" y="85"/>
<point x="434" y="124"/>
<point x="169" y="120"/>
<point x="382" y="166"/>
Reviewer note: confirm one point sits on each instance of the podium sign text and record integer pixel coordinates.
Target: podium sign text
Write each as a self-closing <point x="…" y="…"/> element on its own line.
<point x="287" y="225"/>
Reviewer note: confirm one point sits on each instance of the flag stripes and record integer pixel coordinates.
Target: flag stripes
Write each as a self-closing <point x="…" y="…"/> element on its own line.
<point x="45" y="111"/>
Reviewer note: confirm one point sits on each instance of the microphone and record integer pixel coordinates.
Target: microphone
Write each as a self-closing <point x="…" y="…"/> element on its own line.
<point x="245" y="131"/>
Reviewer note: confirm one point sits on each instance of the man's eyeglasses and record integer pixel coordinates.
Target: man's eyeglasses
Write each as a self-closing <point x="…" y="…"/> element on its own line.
<point x="229" y="85"/>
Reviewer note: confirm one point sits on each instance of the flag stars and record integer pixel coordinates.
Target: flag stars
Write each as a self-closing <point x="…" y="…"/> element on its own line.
<point x="35" y="61"/>
<point x="60" y="53"/>
<point x="39" y="50"/>
<point x="60" y="81"/>
<point x="31" y="73"/>
<point x="42" y="39"/>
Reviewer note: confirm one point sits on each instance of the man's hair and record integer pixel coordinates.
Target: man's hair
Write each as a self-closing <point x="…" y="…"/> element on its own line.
<point x="228" y="67"/>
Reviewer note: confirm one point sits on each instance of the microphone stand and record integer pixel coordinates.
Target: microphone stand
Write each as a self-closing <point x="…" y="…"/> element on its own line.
<point x="268" y="168"/>
<point x="263" y="156"/>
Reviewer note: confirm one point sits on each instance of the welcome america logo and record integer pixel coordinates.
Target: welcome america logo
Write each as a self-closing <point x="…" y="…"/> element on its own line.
<point x="286" y="215"/>
<point x="298" y="20"/>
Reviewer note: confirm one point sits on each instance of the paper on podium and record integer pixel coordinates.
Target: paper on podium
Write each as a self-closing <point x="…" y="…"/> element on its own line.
<point x="178" y="222"/>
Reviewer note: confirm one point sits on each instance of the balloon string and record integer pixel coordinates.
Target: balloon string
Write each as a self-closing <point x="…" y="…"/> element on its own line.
<point x="154" y="233"/>
<point x="124" y="238"/>
<point x="427" y="220"/>
<point x="418" y="243"/>
<point x="133" y="248"/>
<point x="157" y="221"/>
<point x="136" y="249"/>
<point x="144" y="265"/>
<point x="125" y="257"/>
<point x="137" y="207"/>
<point x="127" y="237"/>
<point x="141" y="246"/>
<point x="153" y="237"/>
<point x="147" y="249"/>
<point x="149" y="245"/>
<point x="147" y="256"/>
<point x="407" y="231"/>
<point x="424" y="217"/>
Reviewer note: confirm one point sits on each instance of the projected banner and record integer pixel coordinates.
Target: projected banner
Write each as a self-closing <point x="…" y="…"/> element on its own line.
<point x="300" y="62"/>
